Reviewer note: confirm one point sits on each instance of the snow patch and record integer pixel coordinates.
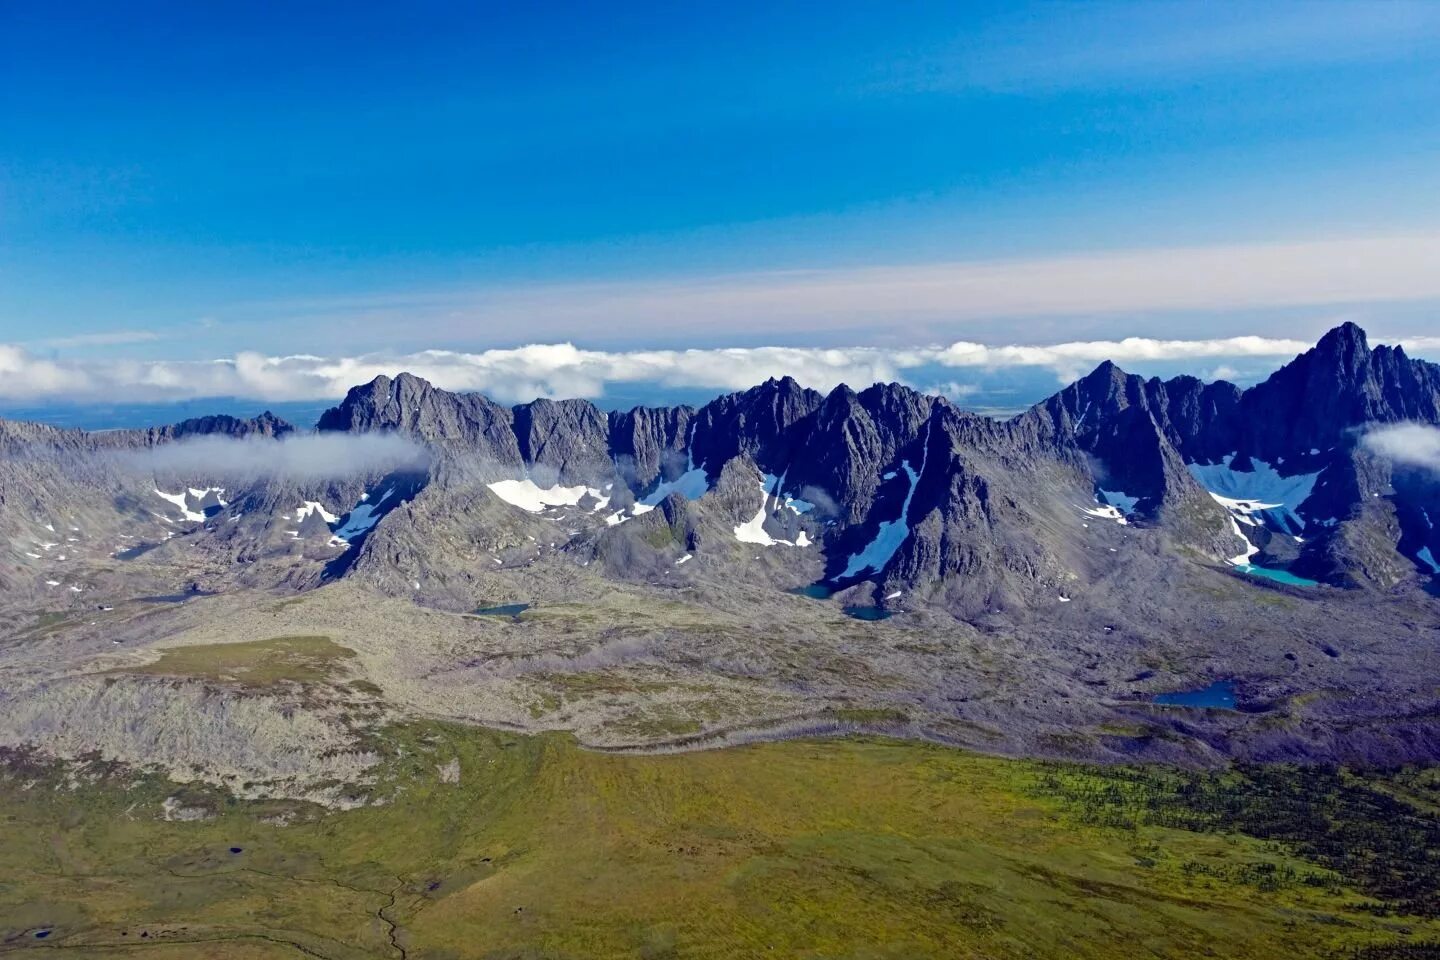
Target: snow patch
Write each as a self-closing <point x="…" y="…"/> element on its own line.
<point x="314" y="506"/>
<point x="1119" y="500"/>
<point x="753" y="530"/>
<point x="1428" y="558"/>
<point x="528" y="496"/>
<point x="682" y="559"/>
<point x="1107" y="512"/>
<point x="180" y="500"/>
<point x="1258" y="495"/>
<point x="693" y="484"/>
<point x="773" y="487"/>
<point x="892" y="533"/>
<point x="1242" y="560"/>
<point x="363" y="517"/>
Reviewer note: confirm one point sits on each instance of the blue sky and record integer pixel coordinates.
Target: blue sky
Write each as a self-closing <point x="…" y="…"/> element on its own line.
<point x="192" y="181"/>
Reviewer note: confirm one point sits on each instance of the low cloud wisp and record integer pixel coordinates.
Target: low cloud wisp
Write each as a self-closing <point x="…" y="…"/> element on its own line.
<point x="562" y="370"/>
<point x="1411" y="444"/>
<point x="308" y="456"/>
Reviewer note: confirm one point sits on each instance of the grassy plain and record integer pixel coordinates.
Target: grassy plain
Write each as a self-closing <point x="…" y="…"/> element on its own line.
<point x="255" y="663"/>
<point x="862" y="848"/>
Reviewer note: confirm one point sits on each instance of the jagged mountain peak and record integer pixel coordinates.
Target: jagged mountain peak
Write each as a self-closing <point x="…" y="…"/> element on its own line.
<point x="785" y="384"/>
<point x="879" y="395"/>
<point x="412" y="405"/>
<point x="781" y="393"/>
<point x="1347" y="340"/>
<point x="1111" y="436"/>
<point x="1086" y="403"/>
<point x="1106" y="371"/>
<point x="264" y="425"/>
<point x="1319" y="399"/>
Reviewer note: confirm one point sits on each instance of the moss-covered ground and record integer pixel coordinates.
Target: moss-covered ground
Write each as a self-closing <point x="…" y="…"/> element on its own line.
<point x="845" y="848"/>
<point x="256" y="663"/>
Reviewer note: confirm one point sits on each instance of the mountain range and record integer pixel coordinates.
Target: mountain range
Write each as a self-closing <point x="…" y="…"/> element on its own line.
<point x="791" y="553"/>
<point x="884" y="485"/>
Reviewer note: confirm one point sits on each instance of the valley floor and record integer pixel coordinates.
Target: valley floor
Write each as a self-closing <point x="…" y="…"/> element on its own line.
<point x="495" y="845"/>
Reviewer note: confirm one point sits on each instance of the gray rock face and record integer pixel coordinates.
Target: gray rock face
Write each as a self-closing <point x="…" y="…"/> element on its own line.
<point x="851" y="438"/>
<point x="1305" y="419"/>
<point x="566" y="439"/>
<point x="756" y="423"/>
<point x="411" y="406"/>
<point x="222" y="425"/>
<point x="1318" y="399"/>
<point x="650" y="442"/>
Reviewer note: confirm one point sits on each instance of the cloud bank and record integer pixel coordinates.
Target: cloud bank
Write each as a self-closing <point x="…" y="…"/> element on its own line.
<point x="311" y="456"/>
<point x="563" y="370"/>
<point x="1412" y="444"/>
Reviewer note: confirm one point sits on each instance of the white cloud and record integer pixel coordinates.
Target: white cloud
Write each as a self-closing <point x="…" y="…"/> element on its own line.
<point x="1413" y="444"/>
<point x="304" y="456"/>
<point x="952" y="389"/>
<point x="563" y="370"/>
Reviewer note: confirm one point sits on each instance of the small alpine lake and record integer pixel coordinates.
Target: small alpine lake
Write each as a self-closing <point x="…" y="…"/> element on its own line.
<point x="1279" y="576"/>
<point x="1219" y="695"/>
<point x="867" y="613"/>
<point x="178" y="597"/>
<point x="512" y="610"/>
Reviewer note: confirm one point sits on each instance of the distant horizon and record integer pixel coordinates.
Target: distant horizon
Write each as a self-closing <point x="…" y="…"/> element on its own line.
<point x="1003" y="381"/>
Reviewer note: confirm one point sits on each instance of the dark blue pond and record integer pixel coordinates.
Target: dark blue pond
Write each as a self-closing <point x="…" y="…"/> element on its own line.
<point x="1220" y="695"/>
<point x="177" y="597"/>
<point x="504" y="610"/>
<point x="867" y="613"/>
<point x="138" y="550"/>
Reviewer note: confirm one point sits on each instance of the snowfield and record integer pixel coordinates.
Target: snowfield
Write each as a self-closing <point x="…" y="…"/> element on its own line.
<point x="1260" y="492"/>
<point x="892" y="533"/>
